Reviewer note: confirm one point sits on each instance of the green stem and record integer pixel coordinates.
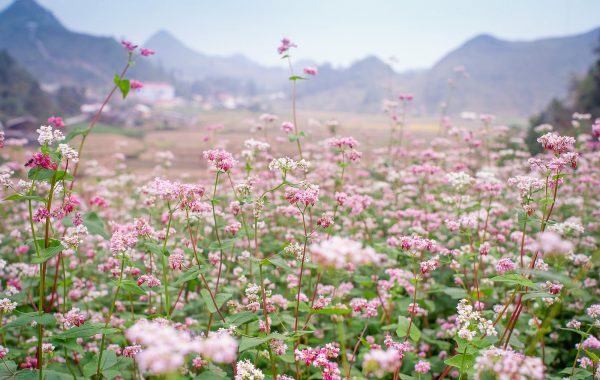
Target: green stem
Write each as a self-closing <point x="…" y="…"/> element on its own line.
<point x="112" y="309"/>
<point x="165" y="265"/>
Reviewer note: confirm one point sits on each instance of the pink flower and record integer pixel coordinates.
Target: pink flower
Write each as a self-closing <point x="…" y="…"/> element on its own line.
<point x="40" y="160"/>
<point x="287" y="126"/>
<point x="129" y="46"/>
<point x="422" y="367"/>
<point x="145" y="52"/>
<point x="285" y="45"/>
<point x="136" y="85"/>
<point x="311" y="71"/>
<point x="221" y="159"/>
<point x="56" y="121"/>
<point x="505" y="265"/>
<point x="406" y="97"/>
<point x="74" y="318"/>
<point x="558" y="144"/>
<point x="596" y="128"/>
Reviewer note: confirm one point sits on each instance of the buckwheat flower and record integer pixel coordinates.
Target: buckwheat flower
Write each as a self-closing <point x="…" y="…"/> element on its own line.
<point x="596" y="128"/>
<point x="422" y="367"/>
<point x="278" y="346"/>
<point x="307" y="194"/>
<point x="256" y="145"/>
<point x="378" y="362"/>
<point x="136" y="85"/>
<point x="47" y="348"/>
<point x="471" y="323"/>
<point x="129" y="46"/>
<point x="310" y="71"/>
<point x="460" y="181"/>
<point x="3" y="351"/>
<point x="590" y="342"/>
<point x="287" y="127"/>
<point x="284" y="47"/>
<point x="7" y="306"/>
<point x="74" y="318"/>
<point x="45" y="135"/>
<point x="554" y="142"/>
<point x="145" y="52"/>
<point x="74" y="236"/>
<point x="131" y="351"/>
<point x="593" y="311"/>
<point x="247" y="371"/>
<point x="550" y="242"/>
<point x="1" y="139"/>
<point x="68" y="153"/>
<point x="149" y="280"/>
<point x="526" y="185"/>
<point x="574" y="324"/>
<point x="177" y="259"/>
<point x="56" y="121"/>
<point x="220" y="347"/>
<point x="221" y="159"/>
<point x="504" y="265"/>
<point x="507" y="364"/>
<point x="326" y="220"/>
<point x="406" y="97"/>
<point x="338" y="252"/>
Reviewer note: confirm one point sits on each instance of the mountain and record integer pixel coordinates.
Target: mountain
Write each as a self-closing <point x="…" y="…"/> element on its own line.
<point x="511" y="78"/>
<point x="189" y="65"/>
<point x="20" y="93"/>
<point x="55" y="55"/>
<point x="514" y="77"/>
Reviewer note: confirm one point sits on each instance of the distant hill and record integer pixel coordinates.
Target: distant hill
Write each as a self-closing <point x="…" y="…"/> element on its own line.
<point x="20" y="93"/>
<point x="516" y="78"/>
<point x="187" y="64"/>
<point x="53" y="54"/>
<point x="512" y="78"/>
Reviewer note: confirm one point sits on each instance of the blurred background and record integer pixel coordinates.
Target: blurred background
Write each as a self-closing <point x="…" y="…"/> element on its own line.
<point x="216" y="65"/>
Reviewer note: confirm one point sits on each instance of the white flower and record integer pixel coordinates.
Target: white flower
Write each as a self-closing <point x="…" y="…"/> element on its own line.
<point x="7" y="306"/>
<point x="68" y="153"/>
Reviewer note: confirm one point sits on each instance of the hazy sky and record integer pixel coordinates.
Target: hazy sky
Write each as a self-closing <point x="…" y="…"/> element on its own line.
<point x="417" y="32"/>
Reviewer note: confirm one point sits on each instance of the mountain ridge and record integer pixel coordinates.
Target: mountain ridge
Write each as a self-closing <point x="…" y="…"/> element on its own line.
<point x="505" y="77"/>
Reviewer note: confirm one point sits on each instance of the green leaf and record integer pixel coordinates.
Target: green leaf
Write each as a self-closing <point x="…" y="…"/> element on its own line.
<point x="188" y="275"/>
<point x="48" y="253"/>
<point x="249" y="342"/>
<point x="331" y="311"/>
<point x="220" y="299"/>
<point x="20" y="197"/>
<point x="226" y="244"/>
<point x="402" y="330"/>
<point x="23" y="320"/>
<point x="123" y="84"/>
<point x="45" y="319"/>
<point x="296" y="77"/>
<point x="76" y="132"/>
<point x="455" y="293"/>
<point x="40" y="174"/>
<point x="582" y="333"/>
<point x="132" y="287"/>
<point x="95" y="224"/>
<point x="277" y="261"/>
<point x="464" y="361"/>
<point x="240" y="318"/>
<point x="514" y="279"/>
<point x="85" y="331"/>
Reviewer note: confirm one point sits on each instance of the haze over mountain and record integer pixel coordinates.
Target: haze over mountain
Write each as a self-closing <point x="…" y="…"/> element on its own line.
<point x="53" y="54"/>
<point x="515" y="78"/>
